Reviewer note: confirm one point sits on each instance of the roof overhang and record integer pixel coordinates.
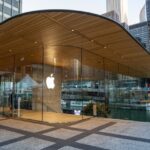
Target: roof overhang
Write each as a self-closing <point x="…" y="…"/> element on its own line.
<point x="65" y="29"/>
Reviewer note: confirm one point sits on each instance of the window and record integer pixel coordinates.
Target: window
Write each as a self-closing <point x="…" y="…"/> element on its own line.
<point x="8" y="1"/>
<point x="15" y="3"/>
<point x="7" y="10"/>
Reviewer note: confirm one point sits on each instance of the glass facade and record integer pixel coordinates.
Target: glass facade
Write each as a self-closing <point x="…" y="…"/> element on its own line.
<point x="9" y="8"/>
<point x="48" y="84"/>
<point x="148" y="9"/>
<point x="141" y="33"/>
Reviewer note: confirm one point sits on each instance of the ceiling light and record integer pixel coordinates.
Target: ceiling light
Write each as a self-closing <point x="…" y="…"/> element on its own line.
<point x="72" y="30"/>
<point x="22" y="59"/>
<point x="35" y="42"/>
<point x="105" y="46"/>
<point x="10" y="50"/>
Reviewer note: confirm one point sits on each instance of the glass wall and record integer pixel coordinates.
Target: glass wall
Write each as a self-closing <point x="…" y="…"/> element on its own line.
<point x="28" y="85"/>
<point x="93" y="82"/>
<point x="65" y="84"/>
<point x="64" y="67"/>
<point x="6" y="85"/>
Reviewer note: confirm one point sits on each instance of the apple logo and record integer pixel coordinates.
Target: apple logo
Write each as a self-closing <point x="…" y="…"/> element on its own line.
<point x="50" y="82"/>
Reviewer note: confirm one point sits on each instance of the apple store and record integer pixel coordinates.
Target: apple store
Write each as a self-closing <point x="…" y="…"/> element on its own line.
<point x="64" y="66"/>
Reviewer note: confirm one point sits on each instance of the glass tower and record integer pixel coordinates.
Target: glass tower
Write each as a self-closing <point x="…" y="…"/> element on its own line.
<point x="141" y="32"/>
<point x="9" y="8"/>
<point x="148" y="9"/>
<point x="120" y="7"/>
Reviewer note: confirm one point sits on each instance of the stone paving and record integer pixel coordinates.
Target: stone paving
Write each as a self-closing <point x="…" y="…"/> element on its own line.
<point x="90" y="134"/>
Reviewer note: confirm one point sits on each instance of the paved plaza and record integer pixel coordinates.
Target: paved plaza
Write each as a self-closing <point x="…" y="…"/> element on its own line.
<point x="89" y="134"/>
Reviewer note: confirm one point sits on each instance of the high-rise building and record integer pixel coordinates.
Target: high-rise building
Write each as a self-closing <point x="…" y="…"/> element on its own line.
<point x="9" y="8"/>
<point x="143" y="14"/>
<point x="148" y="10"/>
<point x="120" y="7"/>
<point x="112" y="15"/>
<point x="148" y="17"/>
<point x="141" y="32"/>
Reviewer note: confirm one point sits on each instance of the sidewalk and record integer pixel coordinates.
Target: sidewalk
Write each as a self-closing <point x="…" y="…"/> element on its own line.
<point x="90" y="134"/>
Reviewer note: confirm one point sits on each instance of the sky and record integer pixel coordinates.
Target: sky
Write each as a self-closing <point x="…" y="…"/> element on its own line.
<point x="94" y="6"/>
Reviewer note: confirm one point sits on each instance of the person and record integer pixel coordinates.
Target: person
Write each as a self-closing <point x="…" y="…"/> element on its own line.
<point x="13" y="103"/>
<point x="10" y="99"/>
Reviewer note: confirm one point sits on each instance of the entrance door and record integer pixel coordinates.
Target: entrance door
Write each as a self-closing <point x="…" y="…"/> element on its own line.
<point x="6" y="90"/>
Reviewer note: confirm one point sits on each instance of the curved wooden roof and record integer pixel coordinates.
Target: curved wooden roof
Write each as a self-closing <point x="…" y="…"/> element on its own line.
<point x="63" y="29"/>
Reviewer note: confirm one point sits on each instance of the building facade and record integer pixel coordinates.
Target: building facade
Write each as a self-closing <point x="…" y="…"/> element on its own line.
<point x="48" y="68"/>
<point x="141" y="32"/>
<point x="148" y="9"/>
<point x="112" y="15"/>
<point x="120" y="7"/>
<point x="143" y="14"/>
<point x="9" y="8"/>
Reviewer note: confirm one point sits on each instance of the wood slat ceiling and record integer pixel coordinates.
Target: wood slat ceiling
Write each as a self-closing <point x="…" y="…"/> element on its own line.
<point x="31" y="32"/>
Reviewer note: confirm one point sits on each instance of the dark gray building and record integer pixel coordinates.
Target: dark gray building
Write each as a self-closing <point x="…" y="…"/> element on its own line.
<point x="148" y="9"/>
<point x="141" y="32"/>
<point x="148" y="18"/>
<point x="9" y="8"/>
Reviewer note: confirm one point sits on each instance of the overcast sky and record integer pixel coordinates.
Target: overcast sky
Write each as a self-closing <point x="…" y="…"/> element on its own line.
<point x="95" y="6"/>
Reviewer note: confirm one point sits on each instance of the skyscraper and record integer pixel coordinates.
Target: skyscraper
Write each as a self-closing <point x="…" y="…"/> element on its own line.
<point x="141" y="31"/>
<point x="148" y="9"/>
<point x="9" y="8"/>
<point x="120" y="7"/>
<point x="143" y="14"/>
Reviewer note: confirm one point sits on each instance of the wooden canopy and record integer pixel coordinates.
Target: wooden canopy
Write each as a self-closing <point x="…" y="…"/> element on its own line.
<point x="64" y="31"/>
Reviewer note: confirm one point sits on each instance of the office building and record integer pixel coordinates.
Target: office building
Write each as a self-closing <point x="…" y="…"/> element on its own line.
<point x="112" y="15"/>
<point x="141" y="32"/>
<point x="148" y="10"/>
<point x="9" y="8"/>
<point x="143" y="17"/>
<point x="120" y="7"/>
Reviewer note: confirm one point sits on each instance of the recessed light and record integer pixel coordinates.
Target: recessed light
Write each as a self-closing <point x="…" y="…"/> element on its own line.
<point x="35" y="42"/>
<point x="72" y="30"/>
<point x="105" y="46"/>
<point x="10" y="50"/>
<point x="22" y="59"/>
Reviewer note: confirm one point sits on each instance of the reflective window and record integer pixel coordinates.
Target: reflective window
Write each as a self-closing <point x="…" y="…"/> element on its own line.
<point x="7" y="10"/>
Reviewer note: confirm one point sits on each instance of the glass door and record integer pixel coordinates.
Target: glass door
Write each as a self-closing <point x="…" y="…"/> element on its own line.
<point x="6" y="94"/>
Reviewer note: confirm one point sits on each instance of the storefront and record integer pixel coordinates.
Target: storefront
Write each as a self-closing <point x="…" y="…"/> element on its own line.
<point x="56" y="64"/>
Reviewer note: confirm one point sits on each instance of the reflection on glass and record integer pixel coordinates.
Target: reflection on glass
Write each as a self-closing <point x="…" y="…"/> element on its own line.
<point x="68" y="84"/>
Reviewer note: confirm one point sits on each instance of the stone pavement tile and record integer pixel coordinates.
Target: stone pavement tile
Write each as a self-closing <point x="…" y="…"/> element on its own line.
<point x="113" y="143"/>
<point x="68" y="148"/>
<point x="62" y="133"/>
<point x="90" y="124"/>
<point x="28" y="144"/>
<point x="8" y="135"/>
<point x="134" y="129"/>
<point x="26" y="126"/>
